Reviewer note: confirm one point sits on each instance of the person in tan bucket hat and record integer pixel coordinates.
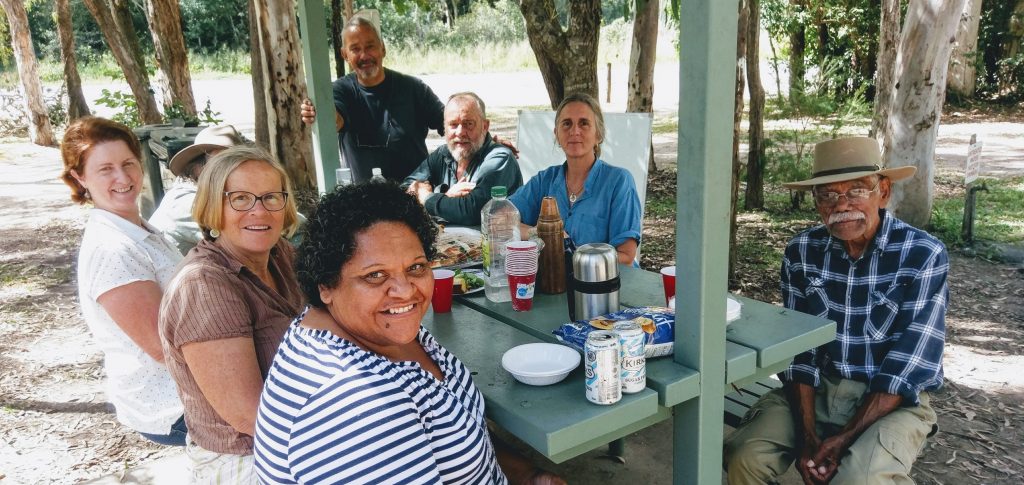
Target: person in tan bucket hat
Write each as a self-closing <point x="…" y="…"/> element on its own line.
<point x="855" y="410"/>
<point x="174" y="215"/>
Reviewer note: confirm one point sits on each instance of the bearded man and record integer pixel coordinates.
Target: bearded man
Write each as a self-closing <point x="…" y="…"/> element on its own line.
<point x="855" y="410"/>
<point x="455" y="181"/>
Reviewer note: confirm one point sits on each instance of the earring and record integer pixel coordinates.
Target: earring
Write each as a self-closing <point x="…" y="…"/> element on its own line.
<point x="87" y="195"/>
<point x="214" y="233"/>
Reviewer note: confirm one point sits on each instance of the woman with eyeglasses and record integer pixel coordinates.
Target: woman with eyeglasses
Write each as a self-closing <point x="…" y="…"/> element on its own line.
<point x="227" y="309"/>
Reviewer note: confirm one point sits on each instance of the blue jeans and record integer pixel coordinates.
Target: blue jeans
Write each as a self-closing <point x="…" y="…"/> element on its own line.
<point x="175" y="438"/>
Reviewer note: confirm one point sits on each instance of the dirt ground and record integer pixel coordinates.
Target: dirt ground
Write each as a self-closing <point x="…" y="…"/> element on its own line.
<point x="56" y="425"/>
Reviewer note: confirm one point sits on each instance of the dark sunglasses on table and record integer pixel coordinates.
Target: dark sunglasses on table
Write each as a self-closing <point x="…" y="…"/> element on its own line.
<point x="830" y="199"/>
<point x="241" y="200"/>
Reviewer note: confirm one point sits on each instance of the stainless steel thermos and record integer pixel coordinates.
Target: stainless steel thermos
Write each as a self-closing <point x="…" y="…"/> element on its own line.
<point x="595" y="280"/>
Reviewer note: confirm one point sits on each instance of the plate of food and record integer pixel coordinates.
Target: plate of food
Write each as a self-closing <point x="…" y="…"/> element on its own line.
<point x="468" y="281"/>
<point x="457" y="247"/>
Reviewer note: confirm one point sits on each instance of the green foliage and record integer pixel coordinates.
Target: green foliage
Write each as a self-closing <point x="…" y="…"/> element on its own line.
<point x="205" y="117"/>
<point x="812" y="116"/>
<point x="998" y="215"/>
<point x="6" y="50"/>
<point x="56" y="111"/>
<point x="840" y="33"/>
<point x="410" y="26"/>
<point x="999" y="76"/>
<point x="212" y="26"/>
<point x="124" y="102"/>
<point x="222" y="61"/>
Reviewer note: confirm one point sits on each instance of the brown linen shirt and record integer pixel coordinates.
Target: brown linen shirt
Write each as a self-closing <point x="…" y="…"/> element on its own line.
<point x="215" y="297"/>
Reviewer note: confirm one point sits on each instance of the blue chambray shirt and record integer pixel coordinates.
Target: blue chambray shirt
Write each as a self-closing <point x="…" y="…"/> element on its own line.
<point x="607" y="211"/>
<point x="889" y="306"/>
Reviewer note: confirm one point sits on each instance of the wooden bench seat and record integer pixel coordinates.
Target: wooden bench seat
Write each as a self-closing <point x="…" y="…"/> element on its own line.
<point x="737" y="403"/>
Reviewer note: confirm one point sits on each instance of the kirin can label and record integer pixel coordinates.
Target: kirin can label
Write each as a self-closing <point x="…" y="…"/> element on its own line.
<point x="633" y="361"/>
<point x="603" y="380"/>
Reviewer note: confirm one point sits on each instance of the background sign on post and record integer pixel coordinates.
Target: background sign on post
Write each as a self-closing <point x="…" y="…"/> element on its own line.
<point x="973" y="164"/>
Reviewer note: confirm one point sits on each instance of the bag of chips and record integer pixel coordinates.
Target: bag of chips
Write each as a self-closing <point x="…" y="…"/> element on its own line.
<point x="657" y="322"/>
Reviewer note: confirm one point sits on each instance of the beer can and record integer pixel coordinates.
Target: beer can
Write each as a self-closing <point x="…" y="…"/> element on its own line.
<point x="634" y="364"/>
<point x="603" y="379"/>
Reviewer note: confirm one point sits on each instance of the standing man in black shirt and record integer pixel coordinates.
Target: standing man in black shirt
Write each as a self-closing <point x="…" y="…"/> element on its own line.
<point x="383" y="116"/>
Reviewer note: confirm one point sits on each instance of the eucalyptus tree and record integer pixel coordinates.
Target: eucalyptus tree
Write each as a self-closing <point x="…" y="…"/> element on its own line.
<point x="77" y="105"/>
<point x="39" y="129"/>
<point x="113" y="20"/>
<point x="567" y="57"/>
<point x="164" y="18"/>
<point x="922" y="62"/>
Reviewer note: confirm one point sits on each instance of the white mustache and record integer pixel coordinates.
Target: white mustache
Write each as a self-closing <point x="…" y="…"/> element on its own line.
<point x="845" y="216"/>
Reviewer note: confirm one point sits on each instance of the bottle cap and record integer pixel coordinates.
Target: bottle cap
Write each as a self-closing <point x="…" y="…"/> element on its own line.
<point x="499" y="191"/>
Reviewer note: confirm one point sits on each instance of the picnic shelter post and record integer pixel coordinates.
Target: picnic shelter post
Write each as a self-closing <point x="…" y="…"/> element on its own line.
<point x="707" y="77"/>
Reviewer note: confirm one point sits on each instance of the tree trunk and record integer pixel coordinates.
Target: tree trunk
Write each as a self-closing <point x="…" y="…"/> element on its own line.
<point x="1014" y="32"/>
<point x="640" y="98"/>
<point x="284" y="87"/>
<point x="797" y="46"/>
<point x="124" y="49"/>
<point x="921" y="67"/>
<point x="567" y="58"/>
<point x="737" y="121"/>
<point x="451" y="13"/>
<point x="39" y="129"/>
<point x="885" y="83"/>
<point x="754" y="195"/>
<point x="77" y="105"/>
<point x="256" y="68"/>
<point x="337" y="25"/>
<point x="164" y="19"/>
<point x="962" y="74"/>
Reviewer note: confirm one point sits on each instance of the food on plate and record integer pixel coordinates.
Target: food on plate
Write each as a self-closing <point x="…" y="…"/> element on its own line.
<point x="465" y="282"/>
<point x="454" y="249"/>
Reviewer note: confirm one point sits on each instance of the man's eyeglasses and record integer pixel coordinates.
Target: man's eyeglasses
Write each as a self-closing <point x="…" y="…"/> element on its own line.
<point x="242" y="201"/>
<point x="831" y="199"/>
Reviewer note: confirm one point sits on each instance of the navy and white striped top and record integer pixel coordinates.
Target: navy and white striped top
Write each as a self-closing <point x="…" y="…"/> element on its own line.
<point x="332" y="412"/>
<point x="889" y="307"/>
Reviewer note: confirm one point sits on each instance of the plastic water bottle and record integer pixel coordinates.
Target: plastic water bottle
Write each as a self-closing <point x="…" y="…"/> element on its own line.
<point x="499" y="223"/>
<point x="377" y="176"/>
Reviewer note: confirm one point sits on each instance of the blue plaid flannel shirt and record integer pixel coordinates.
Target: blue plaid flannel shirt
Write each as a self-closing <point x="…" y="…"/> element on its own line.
<point x="889" y="307"/>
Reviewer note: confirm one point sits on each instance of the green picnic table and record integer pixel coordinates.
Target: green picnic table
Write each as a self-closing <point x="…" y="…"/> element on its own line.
<point x="558" y="420"/>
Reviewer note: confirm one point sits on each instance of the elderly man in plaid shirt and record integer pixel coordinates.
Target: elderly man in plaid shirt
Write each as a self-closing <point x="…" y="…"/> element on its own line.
<point x="855" y="410"/>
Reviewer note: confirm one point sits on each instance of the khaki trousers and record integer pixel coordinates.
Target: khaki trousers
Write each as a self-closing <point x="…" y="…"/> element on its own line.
<point x="763" y="446"/>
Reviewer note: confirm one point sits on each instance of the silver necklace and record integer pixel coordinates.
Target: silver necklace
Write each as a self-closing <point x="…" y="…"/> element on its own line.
<point x="573" y="195"/>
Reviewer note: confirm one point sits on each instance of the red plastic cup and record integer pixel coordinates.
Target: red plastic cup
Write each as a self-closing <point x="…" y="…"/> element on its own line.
<point x="441" y="301"/>
<point x="521" y="287"/>
<point x="668" y="280"/>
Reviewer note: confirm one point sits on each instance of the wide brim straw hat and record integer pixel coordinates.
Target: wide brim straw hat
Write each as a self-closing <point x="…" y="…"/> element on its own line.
<point x="216" y="137"/>
<point x="848" y="159"/>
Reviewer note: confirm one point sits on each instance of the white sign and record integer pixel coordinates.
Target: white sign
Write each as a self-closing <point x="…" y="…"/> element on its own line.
<point x="973" y="164"/>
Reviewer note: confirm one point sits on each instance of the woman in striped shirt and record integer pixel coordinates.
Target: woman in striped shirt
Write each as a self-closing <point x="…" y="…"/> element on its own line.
<point x="359" y="392"/>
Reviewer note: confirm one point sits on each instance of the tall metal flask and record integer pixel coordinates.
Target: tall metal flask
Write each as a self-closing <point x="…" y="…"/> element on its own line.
<point x="551" y="268"/>
<point x="595" y="281"/>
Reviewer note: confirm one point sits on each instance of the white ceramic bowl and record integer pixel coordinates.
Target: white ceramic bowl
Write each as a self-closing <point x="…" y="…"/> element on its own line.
<point x="540" y="364"/>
